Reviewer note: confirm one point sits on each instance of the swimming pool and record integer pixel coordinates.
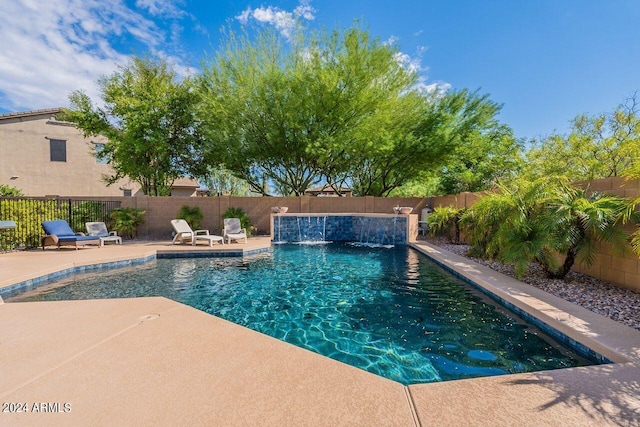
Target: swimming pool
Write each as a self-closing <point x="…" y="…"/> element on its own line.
<point x="392" y="312"/>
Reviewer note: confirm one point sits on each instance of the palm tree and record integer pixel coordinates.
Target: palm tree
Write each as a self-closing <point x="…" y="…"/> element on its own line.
<point x="578" y="220"/>
<point x="505" y="224"/>
<point x="631" y="214"/>
<point x="548" y="221"/>
<point x="522" y="235"/>
<point x="192" y="214"/>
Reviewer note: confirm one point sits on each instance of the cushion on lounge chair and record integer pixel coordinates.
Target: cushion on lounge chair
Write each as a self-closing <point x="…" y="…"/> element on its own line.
<point x="59" y="227"/>
<point x="59" y="233"/>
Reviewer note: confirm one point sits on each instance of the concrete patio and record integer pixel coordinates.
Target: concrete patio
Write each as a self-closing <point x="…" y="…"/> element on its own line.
<point x="153" y="361"/>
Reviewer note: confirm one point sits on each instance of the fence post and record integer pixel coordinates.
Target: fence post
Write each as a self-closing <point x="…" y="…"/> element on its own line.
<point x="70" y="213"/>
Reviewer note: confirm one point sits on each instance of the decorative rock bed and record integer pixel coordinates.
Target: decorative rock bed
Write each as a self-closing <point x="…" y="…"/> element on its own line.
<point x="619" y="304"/>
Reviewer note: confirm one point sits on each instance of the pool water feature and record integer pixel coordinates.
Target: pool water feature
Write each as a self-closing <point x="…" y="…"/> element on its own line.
<point x="372" y="230"/>
<point x="392" y="312"/>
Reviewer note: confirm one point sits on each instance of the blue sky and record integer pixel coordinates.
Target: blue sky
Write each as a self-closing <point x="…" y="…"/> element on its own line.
<point x="545" y="60"/>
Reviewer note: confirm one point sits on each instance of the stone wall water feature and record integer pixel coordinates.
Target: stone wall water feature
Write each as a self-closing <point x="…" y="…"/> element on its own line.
<point x="368" y="229"/>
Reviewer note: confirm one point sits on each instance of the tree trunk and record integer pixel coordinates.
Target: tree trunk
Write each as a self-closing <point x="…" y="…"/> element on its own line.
<point x="566" y="265"/>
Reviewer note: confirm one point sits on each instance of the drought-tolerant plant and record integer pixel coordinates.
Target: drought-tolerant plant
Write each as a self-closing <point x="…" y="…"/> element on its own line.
<point x="191" y="214"/>
<point x="7" y="190"/>
<point x="548" y="221"/>
<point x="445" y="221"/>
<point x="126" y="221"/>
<point x="579" y="220"/>
<point x="245" y="221"/>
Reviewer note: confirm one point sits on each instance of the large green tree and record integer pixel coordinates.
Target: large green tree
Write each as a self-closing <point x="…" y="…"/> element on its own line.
<point x="149" y="118"/>
<point x="480" y="161"/>
<point x="479" y="150"/>
<point x="599" y="146"/>
<point x="337" y="107"/>
<point x="222" y="182"/>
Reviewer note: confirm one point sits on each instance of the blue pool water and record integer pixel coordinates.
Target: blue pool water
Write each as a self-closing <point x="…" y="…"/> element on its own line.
<point x="392" y="312"/>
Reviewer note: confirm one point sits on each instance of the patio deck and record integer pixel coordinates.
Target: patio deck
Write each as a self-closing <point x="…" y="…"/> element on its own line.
<point x="153" y="361"/>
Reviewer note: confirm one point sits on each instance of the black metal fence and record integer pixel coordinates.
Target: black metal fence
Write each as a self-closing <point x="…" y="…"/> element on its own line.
<point x="30" y="212"/>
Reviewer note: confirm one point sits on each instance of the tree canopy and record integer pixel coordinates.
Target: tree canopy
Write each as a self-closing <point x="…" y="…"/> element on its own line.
<point x="336" y="107"/>
<point x="150" y="122"/>
<point x="598" y="146"/>
<point x="278" y="115"/>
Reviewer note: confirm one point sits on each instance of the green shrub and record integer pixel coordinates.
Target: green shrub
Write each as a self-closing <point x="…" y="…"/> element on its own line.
<point x="191" y="214"/>
<point x="245" y="221"/>
<point x="126" y="221"/>
<point x="445" y="221"/>
<point x="28" y="215"/>
<point x="6" y="190"/>
<point x="543" y="220"/>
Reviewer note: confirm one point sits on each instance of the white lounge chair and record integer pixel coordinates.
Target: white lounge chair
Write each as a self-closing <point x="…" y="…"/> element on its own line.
<point x="233" y="230"/>
<point x="185" y="233"/>
<point x="423" y="224"/>
<point x="100" y="229"/>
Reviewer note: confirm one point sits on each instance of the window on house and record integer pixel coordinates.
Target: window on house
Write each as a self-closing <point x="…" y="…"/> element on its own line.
<point x="58" y="150"/>
<point x="126" y="193"/>
<point x="100" y="158"/>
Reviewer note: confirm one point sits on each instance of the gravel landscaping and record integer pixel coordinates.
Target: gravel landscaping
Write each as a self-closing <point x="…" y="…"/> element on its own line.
<point x="619" y="304"/>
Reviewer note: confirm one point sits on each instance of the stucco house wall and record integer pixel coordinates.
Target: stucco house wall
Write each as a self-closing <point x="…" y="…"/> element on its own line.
<point x="25" y="158"/>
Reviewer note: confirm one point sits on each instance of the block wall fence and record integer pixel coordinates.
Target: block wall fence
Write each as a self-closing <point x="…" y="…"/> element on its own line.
<point x="620" y="267"/>
<point x="161" y="210"/>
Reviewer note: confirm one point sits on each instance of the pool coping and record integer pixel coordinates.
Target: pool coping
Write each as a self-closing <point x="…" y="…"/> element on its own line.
<point x="343" y="394"/>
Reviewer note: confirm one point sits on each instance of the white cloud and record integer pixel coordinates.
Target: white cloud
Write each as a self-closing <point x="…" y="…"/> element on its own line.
<point x="411" y="64"/>
<point x="391" y="41"/>
<point x="305" y="10"/>
<point x="439" y="88"/>
<point x="168" y="8"/>
<point x="244" y="16"/>
<point x="52" y="48"/>
<point x="414" y="64"/>
<point x="283" y="21"/>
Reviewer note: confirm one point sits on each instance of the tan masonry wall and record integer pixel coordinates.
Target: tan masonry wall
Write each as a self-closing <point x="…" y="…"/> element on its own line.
<point x="161" y="210"/>
<point x="619" y="266"/>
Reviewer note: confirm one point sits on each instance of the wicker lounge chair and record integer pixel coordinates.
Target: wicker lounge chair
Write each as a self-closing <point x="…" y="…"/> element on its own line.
<point x="185" y="233"/>
<point x="60" y="234"/>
